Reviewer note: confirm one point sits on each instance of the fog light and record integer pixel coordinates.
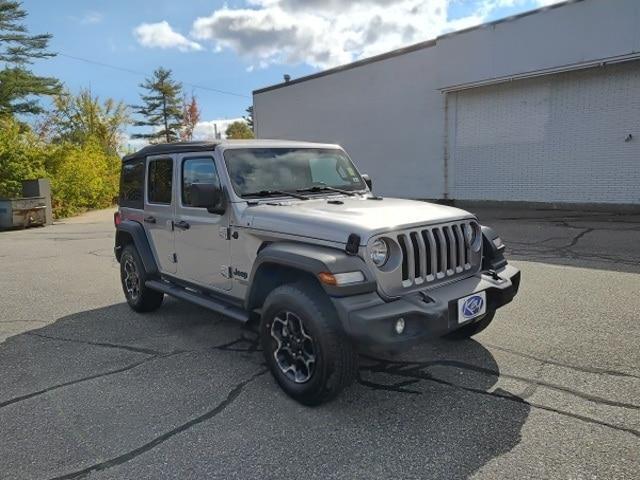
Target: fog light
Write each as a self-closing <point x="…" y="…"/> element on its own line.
<point x="400" y="326"/>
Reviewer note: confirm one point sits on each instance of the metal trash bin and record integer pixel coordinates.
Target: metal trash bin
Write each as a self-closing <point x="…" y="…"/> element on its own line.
<point x="22" y="212"/>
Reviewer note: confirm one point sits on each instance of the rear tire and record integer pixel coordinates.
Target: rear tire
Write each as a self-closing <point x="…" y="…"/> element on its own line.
<point x="133" y="277"/>
<point x="304" y="345"/>
<point x="472" y="329"/>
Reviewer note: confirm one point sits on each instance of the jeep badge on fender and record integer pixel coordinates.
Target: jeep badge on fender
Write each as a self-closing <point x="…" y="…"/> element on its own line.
<point x="324" y="267"/>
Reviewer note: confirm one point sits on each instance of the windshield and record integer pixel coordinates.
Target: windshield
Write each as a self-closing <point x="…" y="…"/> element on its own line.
<point x="255" y="170"/>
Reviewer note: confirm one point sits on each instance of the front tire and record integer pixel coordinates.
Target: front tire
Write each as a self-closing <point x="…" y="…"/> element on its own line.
<point x="472" y="329"/>
<point x="133" y="277"/>
<point x="305" y="347"/>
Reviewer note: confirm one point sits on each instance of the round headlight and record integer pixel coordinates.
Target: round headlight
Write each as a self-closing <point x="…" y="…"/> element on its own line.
<point x="475" y="237"/>
<point x="379" y="252"/>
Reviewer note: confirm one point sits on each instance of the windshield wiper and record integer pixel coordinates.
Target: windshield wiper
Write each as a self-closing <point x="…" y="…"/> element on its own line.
<point x="271" y="193"/>
<point x="325" y="188"/>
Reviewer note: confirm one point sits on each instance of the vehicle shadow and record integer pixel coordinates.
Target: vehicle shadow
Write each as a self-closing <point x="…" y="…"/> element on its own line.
<point x="430" y="413"/>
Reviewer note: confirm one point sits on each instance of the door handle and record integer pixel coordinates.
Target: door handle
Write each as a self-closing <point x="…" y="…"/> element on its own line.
<point x="149" y="219"/>
<point x="182" y="225"/>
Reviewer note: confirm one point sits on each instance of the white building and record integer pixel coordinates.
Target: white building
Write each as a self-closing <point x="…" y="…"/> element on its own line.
<point x="540" y="107"/>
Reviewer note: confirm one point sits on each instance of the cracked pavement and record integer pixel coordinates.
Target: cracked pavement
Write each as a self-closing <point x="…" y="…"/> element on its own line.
<point x="89" y="389"/>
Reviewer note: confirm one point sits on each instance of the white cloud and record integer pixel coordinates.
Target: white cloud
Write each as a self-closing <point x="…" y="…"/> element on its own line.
<point x="320" y="33"/>
<point x="326" y="33"/>
<point x="545" y="3"/>
<point x="91" y="18"/>
<point x="205" y="130"/>
<point x="161" y="35"/>
<point x="129" y="145"/>
<point x="213" y="129"/>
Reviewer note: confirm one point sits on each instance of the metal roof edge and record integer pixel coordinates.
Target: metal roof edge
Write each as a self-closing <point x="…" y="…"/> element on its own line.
<point x="411" y="48"/>
<point x="349" y="66"/>
<point x="510" y="18"/>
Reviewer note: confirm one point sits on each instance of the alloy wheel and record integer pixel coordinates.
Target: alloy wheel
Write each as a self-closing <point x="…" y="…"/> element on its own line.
<point x="295" y="350"/>
<point x="131" y="279"/>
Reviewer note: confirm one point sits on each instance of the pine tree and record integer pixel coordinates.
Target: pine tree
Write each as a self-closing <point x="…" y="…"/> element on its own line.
<point x="249" y="117"/>
<point x="162" y="109"/>
<point x="19" y="86"/>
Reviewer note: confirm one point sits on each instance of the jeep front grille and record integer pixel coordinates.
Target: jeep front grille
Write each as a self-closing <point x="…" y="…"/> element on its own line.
<point x="438" y="253"/>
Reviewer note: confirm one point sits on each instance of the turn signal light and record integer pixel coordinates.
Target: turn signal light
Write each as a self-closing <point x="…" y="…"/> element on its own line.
<point x="327" y="278"/>
<point x="336" y="279"/>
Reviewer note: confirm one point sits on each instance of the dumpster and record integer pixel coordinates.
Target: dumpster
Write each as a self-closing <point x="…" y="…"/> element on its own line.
<point x="22" y="212"/>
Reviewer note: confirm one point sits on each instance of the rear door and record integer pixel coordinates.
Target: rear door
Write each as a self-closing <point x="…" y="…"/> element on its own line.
<point x="159" y="210"/>
<point x="203" y="251"/>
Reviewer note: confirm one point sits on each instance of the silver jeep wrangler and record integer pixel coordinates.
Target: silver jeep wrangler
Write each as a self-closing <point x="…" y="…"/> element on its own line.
<point x="290" y="235"/>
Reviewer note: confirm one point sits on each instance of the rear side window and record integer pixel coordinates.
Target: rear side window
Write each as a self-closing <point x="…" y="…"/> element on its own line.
<point x="197" y="170"/>
<point x="132" y="184"/>
<point x="160" y="181"/>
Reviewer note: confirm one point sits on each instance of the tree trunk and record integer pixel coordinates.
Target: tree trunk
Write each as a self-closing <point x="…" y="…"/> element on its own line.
<point x="164" y="114"/>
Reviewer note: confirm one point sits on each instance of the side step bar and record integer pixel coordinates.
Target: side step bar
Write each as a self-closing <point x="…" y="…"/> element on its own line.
<point x="210" y="303"/>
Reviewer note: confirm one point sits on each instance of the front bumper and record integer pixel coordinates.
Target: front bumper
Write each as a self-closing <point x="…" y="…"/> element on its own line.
<point x="369" y="320"/>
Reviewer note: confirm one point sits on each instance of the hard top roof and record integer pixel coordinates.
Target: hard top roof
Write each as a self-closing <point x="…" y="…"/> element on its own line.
<point x="186" y="147"/>
<point x="179" y="147"/>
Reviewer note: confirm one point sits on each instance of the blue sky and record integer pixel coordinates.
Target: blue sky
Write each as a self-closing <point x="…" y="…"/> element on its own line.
<point x="238" y="45"/>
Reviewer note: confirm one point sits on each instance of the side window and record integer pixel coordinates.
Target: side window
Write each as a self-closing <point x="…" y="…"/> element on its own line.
<point x="197" y="170"/>
<point x="160" y="181"/>
<point x="132" y="184"/>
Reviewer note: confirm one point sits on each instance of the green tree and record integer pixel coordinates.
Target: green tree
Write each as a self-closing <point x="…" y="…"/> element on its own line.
<point x="249" y="117"/>
<point x="239" y="130"/>
<point x="161" y="109"/>
<point x="19" y="86"/>
<point x="78" y="118"/>
<point x="22" y="157"/>
<point x="82" y="176"/>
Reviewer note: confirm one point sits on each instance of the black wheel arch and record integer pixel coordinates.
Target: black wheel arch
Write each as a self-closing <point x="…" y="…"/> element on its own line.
<point x="288" y="262"/>
<point x="492" y="255"/>
<point x="132" y="232"/>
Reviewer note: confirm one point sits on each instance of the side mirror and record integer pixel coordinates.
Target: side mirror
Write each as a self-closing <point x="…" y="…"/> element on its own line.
<point x="367" y="180"/>
<point x="209" y="196"/>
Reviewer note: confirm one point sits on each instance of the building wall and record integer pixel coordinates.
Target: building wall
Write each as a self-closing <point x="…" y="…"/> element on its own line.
<point x="385" y="114"/>
<point x="561" y="36"/>
<point x="390" y="114"/>
<point x="555" y="138"/>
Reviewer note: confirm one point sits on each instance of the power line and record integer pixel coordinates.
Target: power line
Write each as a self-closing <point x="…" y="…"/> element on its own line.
<point x="136" y="72"/>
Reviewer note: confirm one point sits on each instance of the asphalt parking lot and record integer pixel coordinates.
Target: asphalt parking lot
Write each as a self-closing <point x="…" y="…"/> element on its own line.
<point x="551" y="390"/>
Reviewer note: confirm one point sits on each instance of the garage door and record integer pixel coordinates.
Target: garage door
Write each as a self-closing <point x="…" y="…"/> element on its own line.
<point x="570" y="137"/>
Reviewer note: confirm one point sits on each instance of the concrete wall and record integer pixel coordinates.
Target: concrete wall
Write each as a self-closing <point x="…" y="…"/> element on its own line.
<point x="390" y="113"/>
<point x="385" y="114"/>
<point x="554" y="138"/>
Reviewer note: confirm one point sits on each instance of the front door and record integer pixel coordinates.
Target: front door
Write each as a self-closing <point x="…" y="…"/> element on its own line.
<point x="202" y="248"/>
<point x="159" y="211"/>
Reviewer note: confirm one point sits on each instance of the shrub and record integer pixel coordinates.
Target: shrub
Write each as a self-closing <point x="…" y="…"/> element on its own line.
<point x="82" y="176"/>
<point x="22" y="157"/>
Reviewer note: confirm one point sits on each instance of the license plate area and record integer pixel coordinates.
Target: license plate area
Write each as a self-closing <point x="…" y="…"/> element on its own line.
<point x="472" y="306"/>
